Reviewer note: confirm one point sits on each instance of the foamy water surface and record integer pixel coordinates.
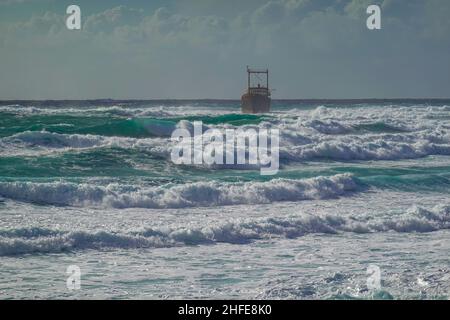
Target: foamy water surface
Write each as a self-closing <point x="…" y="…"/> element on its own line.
<point x="93" y="185"/>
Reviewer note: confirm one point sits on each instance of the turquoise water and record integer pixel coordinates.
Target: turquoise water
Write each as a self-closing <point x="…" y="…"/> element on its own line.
<point x="84" y="180"/>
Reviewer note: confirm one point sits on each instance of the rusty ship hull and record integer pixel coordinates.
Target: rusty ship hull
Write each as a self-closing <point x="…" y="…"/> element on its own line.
<point x="255" y="103"/>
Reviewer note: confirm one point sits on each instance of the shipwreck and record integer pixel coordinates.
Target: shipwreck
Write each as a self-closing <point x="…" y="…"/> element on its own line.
<point x="257" y="98"/>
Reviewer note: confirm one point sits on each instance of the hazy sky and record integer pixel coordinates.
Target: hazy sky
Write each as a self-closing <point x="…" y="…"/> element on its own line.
<point x="200" y="48"/>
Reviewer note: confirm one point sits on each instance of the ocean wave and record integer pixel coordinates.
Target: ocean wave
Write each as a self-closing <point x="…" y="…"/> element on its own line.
<point x="55" y="140"/>
<point x="197" y="194"/>
<point x="294" y="146"/>
<point x="328" y="126"/>
<point x="157" y="111"/>
<point x="237" y="231"/>
<point x="339" y="134"/>
<point x="131" y="127"/>
<point x="34" y="232"/>
<point x="358" y="149"/>
<point x="18" y="109"/>
<point x="381" y="127"/>
<point x="39" y="143"/>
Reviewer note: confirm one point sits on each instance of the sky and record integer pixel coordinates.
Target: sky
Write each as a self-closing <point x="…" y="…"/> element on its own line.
<point x="197" y="49"/>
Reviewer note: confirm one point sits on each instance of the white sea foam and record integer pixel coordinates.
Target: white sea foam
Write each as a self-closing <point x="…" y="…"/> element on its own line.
<point x="237" y="231"/>
<point x="55" y="140"/>
<point x="294" y="145"/>
<point x="367" y="149"/>
<point x="179" y="196"/>
<point x="322" y="133"/>
<point x="30" y="143"/>
<point x="157" y="111"/>
<point x="327" y="126"/>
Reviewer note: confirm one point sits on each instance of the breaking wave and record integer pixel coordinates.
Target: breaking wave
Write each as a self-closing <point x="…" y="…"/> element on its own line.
<point x="238" y="231"/>
<point x="114" y="110"/>
<point x="55" y="140"/>
<point x="295" y="145"/>
<point x="197" y="194"/>
<point x="366" y="149"/>
<point x="338" y="134"/>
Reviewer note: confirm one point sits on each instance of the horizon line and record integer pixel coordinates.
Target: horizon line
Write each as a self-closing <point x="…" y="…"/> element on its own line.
<point x="218" y="99"/>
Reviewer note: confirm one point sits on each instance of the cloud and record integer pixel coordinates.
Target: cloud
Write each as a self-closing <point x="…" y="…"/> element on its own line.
<point x="113" y="18"/>
<point x="436" y="24"/>
<point x="317" y="48"/>
<point x="271" y="13"/>
<point x="35" y="31"/>
<point x="9" y="2"/>
<point x="6" y="2"/>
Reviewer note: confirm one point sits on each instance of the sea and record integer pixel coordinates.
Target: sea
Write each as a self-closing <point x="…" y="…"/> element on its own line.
<point x="360" y="207"/>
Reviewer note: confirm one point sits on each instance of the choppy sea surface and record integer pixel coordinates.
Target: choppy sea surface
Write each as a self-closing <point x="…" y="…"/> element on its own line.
<point x="92" y="184"/>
